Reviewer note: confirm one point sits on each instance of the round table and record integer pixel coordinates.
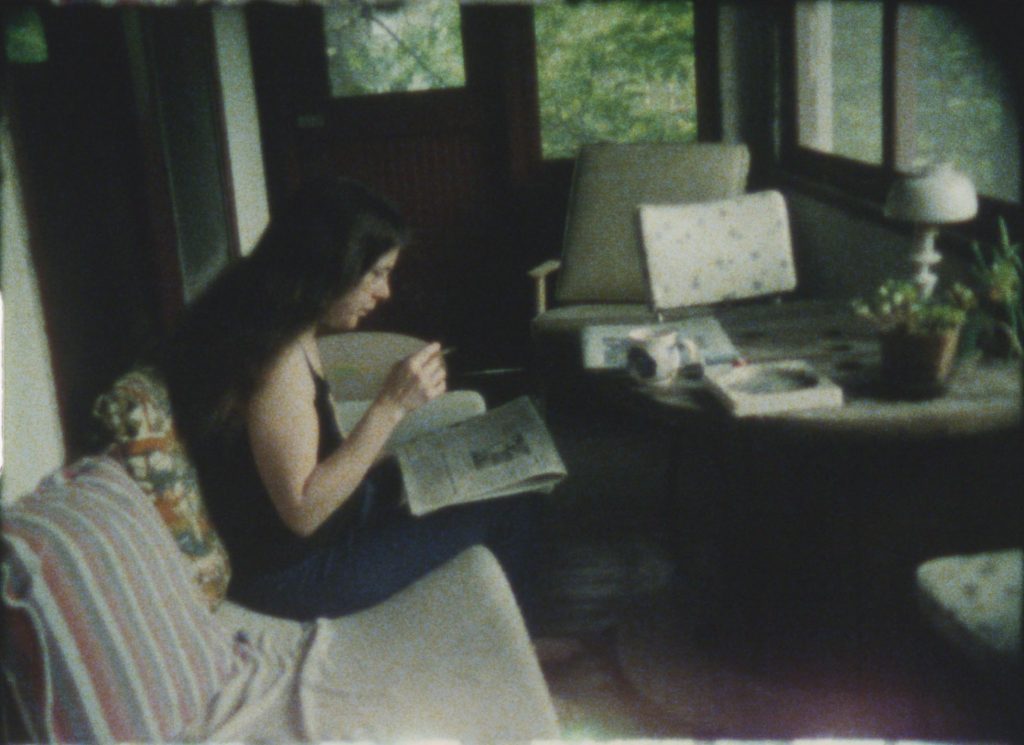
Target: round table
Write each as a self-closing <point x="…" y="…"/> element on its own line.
<point x="845" y="500"/>
<point x="982" y="396"/>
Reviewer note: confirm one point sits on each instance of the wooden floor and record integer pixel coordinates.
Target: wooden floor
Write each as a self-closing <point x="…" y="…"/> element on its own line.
<point x="669" y="679"/>
<point x="679" y="644"/>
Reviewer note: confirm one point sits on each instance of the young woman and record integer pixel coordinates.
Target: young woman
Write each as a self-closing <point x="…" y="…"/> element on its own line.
<point x="311" y="520"/>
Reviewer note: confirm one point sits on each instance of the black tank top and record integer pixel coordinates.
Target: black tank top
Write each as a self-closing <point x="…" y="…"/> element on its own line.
<point x="256" y="538"/>
<point x="330" y="434"/>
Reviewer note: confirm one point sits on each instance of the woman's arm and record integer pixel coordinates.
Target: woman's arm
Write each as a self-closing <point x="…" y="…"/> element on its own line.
<point x="284" y="433"/>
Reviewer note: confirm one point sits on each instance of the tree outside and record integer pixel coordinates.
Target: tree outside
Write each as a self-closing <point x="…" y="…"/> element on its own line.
<point x="962" y="108"/>
<point x="616" y="70"/>
<point x="609" y="70"/>
<point x="390" y="49"/>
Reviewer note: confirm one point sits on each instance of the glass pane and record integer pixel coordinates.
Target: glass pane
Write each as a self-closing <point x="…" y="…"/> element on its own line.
<point x="839" y="78"/>
<point x="377" y="48"/>
<point x="956" y="102"/>
<point x="614" y="71"/>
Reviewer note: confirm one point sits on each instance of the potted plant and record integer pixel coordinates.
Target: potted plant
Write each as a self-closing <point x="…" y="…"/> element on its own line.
<point x="997" y="272"/>
<point x="919" y="334"/>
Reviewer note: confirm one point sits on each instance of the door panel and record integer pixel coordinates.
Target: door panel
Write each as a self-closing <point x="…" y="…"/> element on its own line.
<point x="446" y="158"/>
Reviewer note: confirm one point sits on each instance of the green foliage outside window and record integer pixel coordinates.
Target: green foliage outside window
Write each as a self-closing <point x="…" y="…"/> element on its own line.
<point x="383" y="49"/>
<point x="615" y="71"/>
<point x="609" y="70"/>
<point x="963" y="103"/>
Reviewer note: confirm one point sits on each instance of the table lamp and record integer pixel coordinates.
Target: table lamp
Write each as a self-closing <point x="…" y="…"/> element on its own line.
<point x="930" y="197"/>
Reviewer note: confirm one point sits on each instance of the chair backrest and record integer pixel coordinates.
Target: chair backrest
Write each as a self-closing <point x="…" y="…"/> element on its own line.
<point x="601" y="259"/>
<point x="708" y="252"/>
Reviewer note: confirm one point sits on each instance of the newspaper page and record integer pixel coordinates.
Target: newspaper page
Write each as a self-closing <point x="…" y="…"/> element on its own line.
<point x="507" y="450"/>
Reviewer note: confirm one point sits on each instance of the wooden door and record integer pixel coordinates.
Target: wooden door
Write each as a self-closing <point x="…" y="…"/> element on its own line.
<point x="455" y="161"/>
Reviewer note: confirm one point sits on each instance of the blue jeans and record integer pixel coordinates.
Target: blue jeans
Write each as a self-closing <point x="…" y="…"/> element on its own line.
<point x="386" y="549"/>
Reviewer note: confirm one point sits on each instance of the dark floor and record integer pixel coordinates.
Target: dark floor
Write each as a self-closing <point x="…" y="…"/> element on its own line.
<point x="678" y="643"/>
<point x="655" y="672"/>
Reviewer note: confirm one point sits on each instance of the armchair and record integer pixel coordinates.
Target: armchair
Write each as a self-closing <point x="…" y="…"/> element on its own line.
<point x="600" y="277"/>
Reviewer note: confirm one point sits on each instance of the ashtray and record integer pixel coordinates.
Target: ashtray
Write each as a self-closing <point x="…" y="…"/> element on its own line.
<point x="773" y="387"/>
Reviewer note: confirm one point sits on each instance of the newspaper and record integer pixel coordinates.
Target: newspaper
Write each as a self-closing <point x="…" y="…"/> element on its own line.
<point x="605" y="347"/>
<point x="507" y="450"/>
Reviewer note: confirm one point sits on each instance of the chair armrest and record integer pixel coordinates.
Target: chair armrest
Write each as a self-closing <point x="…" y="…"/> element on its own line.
<point x="539" y="274"/>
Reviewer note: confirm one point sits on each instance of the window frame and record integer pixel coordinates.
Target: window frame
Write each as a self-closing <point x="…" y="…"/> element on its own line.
<point x="849" y="177"/>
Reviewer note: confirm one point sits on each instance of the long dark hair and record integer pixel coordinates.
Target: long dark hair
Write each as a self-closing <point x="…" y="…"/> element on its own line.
<point x="327" y="236"/>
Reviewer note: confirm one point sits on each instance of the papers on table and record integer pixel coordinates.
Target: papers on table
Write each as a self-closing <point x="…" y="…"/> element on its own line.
<point x="605" y="347"/>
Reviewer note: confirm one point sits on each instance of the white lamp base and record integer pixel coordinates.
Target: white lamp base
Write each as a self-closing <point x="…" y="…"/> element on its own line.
<point x="925" y="257"/>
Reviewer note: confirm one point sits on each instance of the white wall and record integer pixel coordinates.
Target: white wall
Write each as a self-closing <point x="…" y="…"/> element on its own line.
<point x="33" y="444"/>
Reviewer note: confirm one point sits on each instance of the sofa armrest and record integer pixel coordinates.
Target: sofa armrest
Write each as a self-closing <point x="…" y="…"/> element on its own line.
<point x="108" y="637"/>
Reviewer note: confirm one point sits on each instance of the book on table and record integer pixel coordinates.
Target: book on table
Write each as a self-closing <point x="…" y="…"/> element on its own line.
<point x="504" y="451"/>
<point x="765" y="388"/>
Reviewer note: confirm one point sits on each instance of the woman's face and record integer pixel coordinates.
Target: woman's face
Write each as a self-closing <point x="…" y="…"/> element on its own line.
<point x="345" y="313"/>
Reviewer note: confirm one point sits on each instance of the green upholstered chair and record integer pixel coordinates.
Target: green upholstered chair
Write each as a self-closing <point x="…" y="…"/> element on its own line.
<point x="600" y="277"/>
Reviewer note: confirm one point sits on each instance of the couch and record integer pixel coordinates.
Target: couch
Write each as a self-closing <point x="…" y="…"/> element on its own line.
<point x="113" y="584"/>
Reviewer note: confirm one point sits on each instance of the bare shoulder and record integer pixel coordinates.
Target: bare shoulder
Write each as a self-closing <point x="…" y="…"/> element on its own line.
<point x="285" y="383"/>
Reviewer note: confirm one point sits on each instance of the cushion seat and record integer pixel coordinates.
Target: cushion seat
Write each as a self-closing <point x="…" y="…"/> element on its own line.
<point x="974" y="601"/>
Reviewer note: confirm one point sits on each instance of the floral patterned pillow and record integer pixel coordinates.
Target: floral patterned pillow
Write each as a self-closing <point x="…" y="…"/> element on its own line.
<point x="726" y="249"/>
<point x="137" y="413"/>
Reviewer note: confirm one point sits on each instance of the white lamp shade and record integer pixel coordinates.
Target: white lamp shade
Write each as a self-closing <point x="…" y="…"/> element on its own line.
<point x="934" y="195"/>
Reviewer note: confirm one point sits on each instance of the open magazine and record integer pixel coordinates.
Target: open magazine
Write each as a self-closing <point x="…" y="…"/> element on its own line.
<point x="507" y="450"/>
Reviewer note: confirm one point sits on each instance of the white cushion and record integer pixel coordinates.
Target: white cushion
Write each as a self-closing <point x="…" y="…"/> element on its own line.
<point x="719" y="250"/>
<point x="449" y="657"/>
<point x="975" y="601"/>
<point x="448" y="408"/>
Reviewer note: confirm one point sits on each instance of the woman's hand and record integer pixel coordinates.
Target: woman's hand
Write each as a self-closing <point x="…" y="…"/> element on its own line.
<point x="417" y="379"/>
<point x="284" y="433"/>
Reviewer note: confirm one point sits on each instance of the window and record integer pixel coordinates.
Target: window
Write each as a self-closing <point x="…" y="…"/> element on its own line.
<point x="956" y="102"/>
<point x="375" y="47"/>
<point x="839" y="58"/>
<point x="617" y="70"/>
<point x="898" y="85"/>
